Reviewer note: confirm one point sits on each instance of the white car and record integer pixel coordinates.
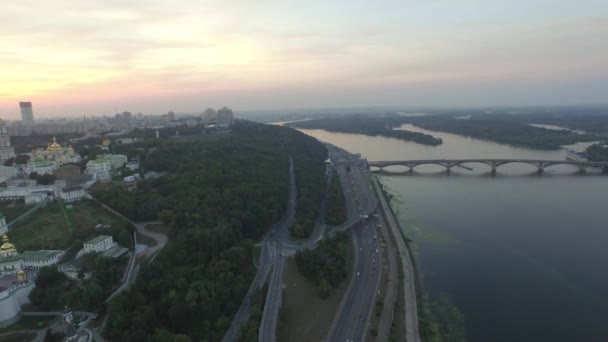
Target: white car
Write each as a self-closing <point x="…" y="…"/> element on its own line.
<point x="357" y="274"/>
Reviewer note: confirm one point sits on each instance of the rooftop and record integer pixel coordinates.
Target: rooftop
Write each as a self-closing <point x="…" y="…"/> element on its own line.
<point x="11" y="258"/>
<point x="72" y="188"/>
<point x="39" y="255"/>
<point x="97" y="239"/>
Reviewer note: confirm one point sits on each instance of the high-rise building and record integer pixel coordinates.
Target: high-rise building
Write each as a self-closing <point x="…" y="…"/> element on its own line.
<point x="209" y="116"/>
<point x="224" y="117"/>
<point x="27" y="115"/>
<point x="6" y="150"/>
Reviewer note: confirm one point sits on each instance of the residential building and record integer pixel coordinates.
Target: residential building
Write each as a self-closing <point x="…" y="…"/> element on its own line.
<point x="225" y="117"/>
<point x="27" y="115"/>
<point x="6" y="150"/>
<point x="72" y="194"/>
<point x="99" y="243"/>
<point x="209" y="116"/>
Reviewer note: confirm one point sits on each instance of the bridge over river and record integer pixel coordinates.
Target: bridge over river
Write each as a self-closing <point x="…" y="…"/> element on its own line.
<point x="540" y="164"/>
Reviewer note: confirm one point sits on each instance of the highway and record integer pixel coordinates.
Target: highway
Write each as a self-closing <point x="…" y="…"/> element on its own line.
<point x="409" y="281"/>
<point x="352" y="319"/>
<point x="392" y="284"/>
<point x="269" y="258"/>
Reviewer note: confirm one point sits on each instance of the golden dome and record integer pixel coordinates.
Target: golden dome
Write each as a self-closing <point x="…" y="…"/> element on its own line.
<point x="106" y="141"/>
<point x="7" y="246"/>
<point x="54" y="146"/>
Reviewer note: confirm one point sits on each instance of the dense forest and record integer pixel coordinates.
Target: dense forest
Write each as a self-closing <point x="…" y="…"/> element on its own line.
<point x="54" y="290"/>
<point x="598" y="152"/>
<point x="336" y="209"/>
<point x="502" y="126"/>
<point x="501" y="129"/>
<point x="310" y="180"/>
<point x="326" y="265"/>
<point x="220" y="193"/>
<point x="249" y="330"/>
<point x="372" y="126"/>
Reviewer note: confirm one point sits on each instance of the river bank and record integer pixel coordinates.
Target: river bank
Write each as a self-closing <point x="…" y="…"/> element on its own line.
<point x="519" y="256"/>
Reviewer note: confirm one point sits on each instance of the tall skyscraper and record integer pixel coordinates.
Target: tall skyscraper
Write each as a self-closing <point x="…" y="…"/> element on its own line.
<point x="27" y="115"/>
<point x="6" y="150"/>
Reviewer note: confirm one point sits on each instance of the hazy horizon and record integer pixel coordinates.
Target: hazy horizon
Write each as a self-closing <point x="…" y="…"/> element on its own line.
<point x="98" y="57"/>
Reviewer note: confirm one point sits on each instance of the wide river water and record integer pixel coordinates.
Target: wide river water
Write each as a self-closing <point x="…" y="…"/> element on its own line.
<point x="523" y="256"/>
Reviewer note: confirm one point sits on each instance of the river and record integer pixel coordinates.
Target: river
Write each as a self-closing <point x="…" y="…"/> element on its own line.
<point x="522" y="256"/>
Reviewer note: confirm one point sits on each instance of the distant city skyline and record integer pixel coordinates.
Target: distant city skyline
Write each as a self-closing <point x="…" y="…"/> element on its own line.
<point x="95" y="58"/>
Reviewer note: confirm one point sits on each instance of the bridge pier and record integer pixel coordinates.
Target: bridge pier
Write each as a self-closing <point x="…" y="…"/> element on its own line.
<point x="582" y="169"/>
<point x="540" y="170"/>
<point x="447" y="170"/>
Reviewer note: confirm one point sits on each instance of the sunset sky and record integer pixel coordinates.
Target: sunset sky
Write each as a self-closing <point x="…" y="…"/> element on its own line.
<point x="84" y="57"/>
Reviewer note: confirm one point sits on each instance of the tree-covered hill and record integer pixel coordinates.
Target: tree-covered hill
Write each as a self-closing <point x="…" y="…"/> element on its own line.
<point x="220" y="194"/>
<point x="373" y="126"/>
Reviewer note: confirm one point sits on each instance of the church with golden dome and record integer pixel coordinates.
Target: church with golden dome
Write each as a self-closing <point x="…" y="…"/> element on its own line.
<point x="54" y="151"/>
<point x="48" y="160"/>
<point x="11" y="261"/>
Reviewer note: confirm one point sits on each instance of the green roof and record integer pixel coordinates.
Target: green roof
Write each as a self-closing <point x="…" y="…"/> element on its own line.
<point x="97" y="239"/>
<point x="10" y="258"/>
<point x="38" y="255"/>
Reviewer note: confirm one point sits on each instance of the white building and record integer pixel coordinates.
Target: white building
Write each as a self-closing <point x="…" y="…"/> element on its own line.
<point x="99" y="243"/>
<point x="209" y="116"/>
<point x="35" y="197"/>
<point x="41" y="166"/>
<point x="8" y="172"/>
<point x="25" y="192"/>
<point x="133" y="166"/>
<point x="11" y="300"/>
<point x="225" y="117"/>
<point x="6" y="150"/>
<point x="72" y="194"/>
<point x="102" y="166"/>
<point x="38" y="259"/>
<point x="10" y="260"/>
<point x="3" y="225"/>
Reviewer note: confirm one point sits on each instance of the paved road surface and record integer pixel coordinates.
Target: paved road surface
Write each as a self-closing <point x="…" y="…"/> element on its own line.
<point x="409" y="282"/>
<point x="392" y="285"/>
<point x="160" y="238"/>
<point x="352" y="319"/>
